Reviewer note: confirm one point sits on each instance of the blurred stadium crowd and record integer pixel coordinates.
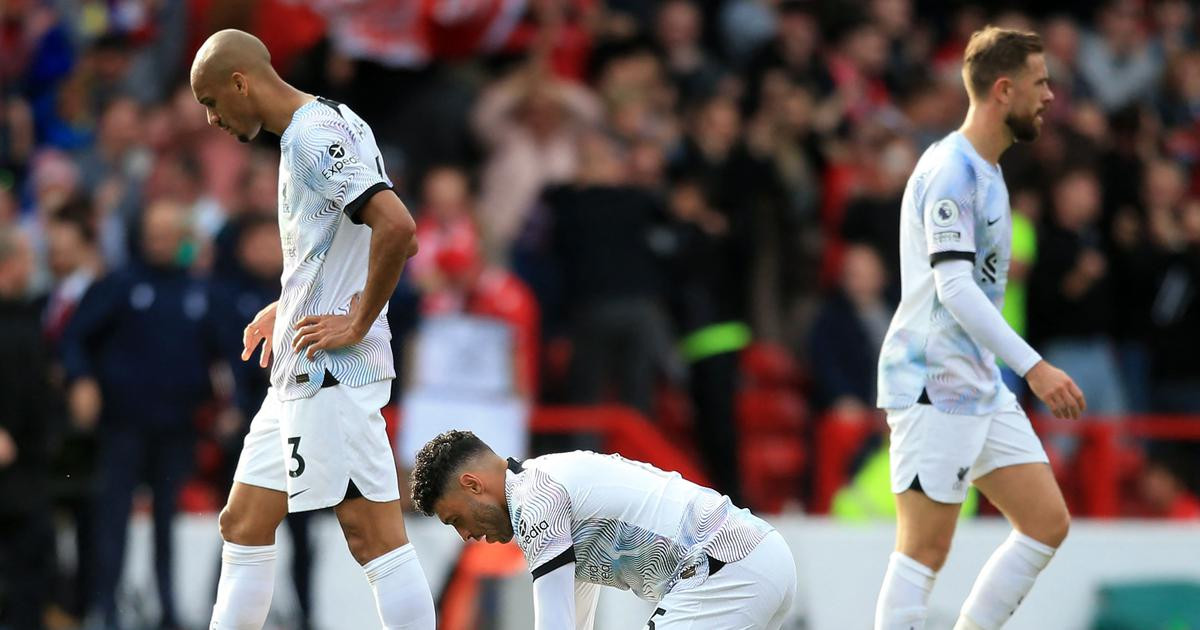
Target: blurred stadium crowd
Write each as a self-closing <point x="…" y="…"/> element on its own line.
<point x="655" y="196"/>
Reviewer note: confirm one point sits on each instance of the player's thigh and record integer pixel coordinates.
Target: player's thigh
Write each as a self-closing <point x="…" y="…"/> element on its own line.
<point x="1013" y="472"/>
<point x="261" y="462"/>
<point x="257" y="502"/>
<point x="924" y="527"/>
<point x="1029" y="496"/>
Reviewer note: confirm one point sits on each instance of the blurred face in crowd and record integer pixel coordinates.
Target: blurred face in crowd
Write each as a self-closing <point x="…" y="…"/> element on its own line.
<point x="261" y="252"/>
<point x="1120" y="22"/>
<point x="1062" y="39"/>
<point x="1077" y="200"/>
<point x="1189" y="220"/>
<point x="867" y="47"/>
<point x="1164" y="185"/>
<point x="797" y="36"/>
<point x="894" y="16"/>
<point x="473" y="511"/>
<point x="687" y="200"/>
<point x="599" y="161"/>
<point x="446" y="193"/>
<point x="55" y="179"/>
<point x="8" y="205"/>
<point x="120" y="127"/>
<point x="1029" y="94"/>
<point x="678" y="24"/>
<point x="894" y="164"/>
<point x="1172" y="15"/>
<point x="542" y="110"/>
<point x="718" y="126"/>
<point x="1185" y="76"/>
<point x="863" y="275"/>
<point x="16" y="263"/>
<point x="646" y="163"/>
<point x="162" y="233"/>
<point x="261" y="190"/>
<point x="67" y="249"/>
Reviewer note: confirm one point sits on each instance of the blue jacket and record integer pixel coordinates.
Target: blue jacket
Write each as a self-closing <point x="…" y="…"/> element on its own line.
<point x="148" y="337"/>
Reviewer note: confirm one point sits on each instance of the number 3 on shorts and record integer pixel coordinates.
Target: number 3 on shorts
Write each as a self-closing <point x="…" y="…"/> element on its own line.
<point x="295" y="442"/>
<point x="657" y="612"/>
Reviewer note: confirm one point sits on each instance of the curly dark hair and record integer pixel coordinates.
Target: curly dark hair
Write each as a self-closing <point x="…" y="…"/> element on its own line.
<point x="437" y="461"/>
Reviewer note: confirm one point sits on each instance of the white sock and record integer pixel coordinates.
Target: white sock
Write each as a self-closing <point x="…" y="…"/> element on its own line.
<point x="904" y="599"/>
<point x="401" y="590"/>
<point x="1004" y="581"/>
<point x="244" y="591"/>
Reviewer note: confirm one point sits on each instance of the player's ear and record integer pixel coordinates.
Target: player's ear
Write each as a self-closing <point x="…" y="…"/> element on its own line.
<point x="471" y="483"/>
<point x="1002" y="88"/>
<point x="240" y="84"/>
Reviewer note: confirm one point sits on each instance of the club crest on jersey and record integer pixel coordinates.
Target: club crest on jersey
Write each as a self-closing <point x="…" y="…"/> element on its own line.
<point x="945" y="213"/>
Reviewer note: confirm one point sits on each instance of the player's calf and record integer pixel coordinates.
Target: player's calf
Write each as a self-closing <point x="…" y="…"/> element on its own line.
<point x="375" y="535"/>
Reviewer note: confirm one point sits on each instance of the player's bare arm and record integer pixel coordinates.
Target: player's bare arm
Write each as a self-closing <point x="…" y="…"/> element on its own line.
<point x="393" y="241"/>
<point x="260" y="329"/>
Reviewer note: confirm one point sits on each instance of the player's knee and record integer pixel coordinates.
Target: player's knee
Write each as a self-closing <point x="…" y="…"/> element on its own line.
<point x="227" y="524"/>
<point x="1054" y="531"/>
<point x="931" y="551"/>
<point x="237" y="527"/>
<point x="933" y="556"/>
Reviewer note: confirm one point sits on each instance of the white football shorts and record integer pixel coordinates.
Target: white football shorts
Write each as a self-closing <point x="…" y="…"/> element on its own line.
<point x="313" y="448"/>
<point x="946" y="452"/>
<point x="754" y="593"/>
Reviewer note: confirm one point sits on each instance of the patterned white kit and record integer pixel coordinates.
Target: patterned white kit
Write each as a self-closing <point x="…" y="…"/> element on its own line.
<point x="319" y="428"/>
<point x="632" y="526"/>
<point x="329" y="168"/>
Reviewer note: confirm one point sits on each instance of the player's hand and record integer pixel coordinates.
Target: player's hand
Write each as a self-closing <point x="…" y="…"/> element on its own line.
<point x="260" y="330"/>
<point x="1057" y="390"/>
<point x="84" y="400"/>
<point x="327" y="332"/>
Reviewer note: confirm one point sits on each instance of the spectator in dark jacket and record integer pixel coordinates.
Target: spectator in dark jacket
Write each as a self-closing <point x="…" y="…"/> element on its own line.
<point x="1071" y="300"/>
<point x="614" y="279"/>
<point x="26" y="430"/>
<point x="845" y="338"/>
<point x="708" y="304"/>
<point x="137" y="355"/>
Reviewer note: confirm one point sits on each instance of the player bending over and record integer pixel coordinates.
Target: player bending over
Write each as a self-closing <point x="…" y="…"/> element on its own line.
<point x="585" y="520"/>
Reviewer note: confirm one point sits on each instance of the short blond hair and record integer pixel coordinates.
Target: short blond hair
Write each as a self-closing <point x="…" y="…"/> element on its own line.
<point x="994" y="52"/>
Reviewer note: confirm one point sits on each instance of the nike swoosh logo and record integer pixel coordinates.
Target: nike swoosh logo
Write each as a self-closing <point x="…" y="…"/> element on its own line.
<point x="993" y="221"/>
<point x="296" y="494"/>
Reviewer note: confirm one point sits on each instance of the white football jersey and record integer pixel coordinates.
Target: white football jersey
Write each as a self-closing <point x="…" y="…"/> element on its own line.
<point x="329" y="168"/>
<point x="623" y="523"/>
<point x="955" y="207"/>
